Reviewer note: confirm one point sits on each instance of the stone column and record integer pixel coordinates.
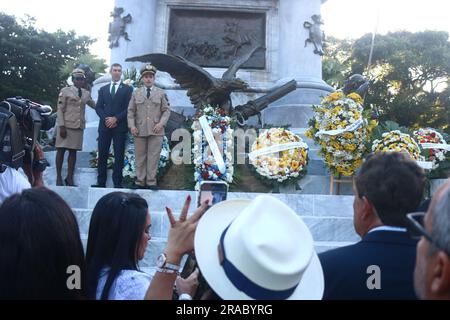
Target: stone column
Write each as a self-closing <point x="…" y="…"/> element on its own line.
<point x="141" y="31"/>
<point x="297" y="62"/>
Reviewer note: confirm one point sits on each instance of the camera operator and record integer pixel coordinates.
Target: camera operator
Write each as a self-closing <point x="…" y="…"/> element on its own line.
<point x="11" y="182"/>
<point x="21" y="121"/>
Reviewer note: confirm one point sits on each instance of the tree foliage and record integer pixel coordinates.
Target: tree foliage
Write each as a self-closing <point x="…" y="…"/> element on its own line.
<point x="31" y="59"/>
<point x="410" y="74"/>
<point x="97" y="65"/>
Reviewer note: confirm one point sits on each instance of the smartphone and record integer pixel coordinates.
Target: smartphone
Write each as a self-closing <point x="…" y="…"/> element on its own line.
<point x="214" y="191"/>
<point x="189" y="267"/>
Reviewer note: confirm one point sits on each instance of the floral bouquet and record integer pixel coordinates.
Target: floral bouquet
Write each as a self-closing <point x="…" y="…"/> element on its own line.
<point x="132" y="78"/>
<point x="206" y="167"/>
<point x="433" y="144"/>
<point x="397" y="141"/>
<point x="129" y="169"/>
<point x="94" y="161"/>
<point x="278" y="154"/>
<point x="342" y="128"/>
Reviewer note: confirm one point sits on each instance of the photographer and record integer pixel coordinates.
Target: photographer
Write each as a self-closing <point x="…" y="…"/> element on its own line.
<point x="12" y="182"/>
<point x="21" y="121"/>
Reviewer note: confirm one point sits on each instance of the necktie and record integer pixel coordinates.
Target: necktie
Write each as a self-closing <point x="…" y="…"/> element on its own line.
<point x="79" y="92"/>
<point x="113" y="89"/>
<point x="148" y="93"/>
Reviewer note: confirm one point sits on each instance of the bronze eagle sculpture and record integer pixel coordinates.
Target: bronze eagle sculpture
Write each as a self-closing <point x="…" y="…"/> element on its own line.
<point x="202" y="88"/>
<point x="205" y="89"/>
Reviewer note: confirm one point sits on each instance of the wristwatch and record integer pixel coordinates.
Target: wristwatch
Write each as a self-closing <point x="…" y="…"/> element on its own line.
<point x="185" y="296"/>
<point x="162" y="263"/>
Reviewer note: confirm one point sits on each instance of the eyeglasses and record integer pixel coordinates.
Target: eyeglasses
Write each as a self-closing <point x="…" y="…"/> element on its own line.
<point x="416" y="228"/>
<point x="79" y="79"/>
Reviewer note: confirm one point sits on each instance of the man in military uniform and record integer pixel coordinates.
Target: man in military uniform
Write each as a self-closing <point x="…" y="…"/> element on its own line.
<point x="71" y="122"/>
<point x="148" y="113"/>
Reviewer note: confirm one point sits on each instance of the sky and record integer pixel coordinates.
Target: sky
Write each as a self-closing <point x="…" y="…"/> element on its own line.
<point x="343" y="18"/>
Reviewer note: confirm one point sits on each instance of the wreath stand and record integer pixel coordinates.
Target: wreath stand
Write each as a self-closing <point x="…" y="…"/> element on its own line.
<point x="338" y="180"/>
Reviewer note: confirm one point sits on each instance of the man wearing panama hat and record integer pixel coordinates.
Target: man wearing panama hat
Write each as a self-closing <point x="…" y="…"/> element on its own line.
<point x="148" y="113"/>
<point x="258" y="249"/>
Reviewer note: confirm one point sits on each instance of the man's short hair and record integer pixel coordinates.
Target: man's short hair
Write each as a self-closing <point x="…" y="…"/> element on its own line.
<point x="115" y="65"/>
<point x="393" y="184"/>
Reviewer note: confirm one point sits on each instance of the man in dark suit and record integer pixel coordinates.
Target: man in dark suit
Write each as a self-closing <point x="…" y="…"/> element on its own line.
<point x="112" y="107"/>
<point x="381" y="265"/>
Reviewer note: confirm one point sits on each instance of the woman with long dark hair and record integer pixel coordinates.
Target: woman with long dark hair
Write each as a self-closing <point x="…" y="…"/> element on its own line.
<point x="41" y="254"/>
<point x="118" y="235"/>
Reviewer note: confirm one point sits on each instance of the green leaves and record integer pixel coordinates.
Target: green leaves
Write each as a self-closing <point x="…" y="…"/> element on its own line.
<point x="410" y="74"/>
<point x="31" y="59"/>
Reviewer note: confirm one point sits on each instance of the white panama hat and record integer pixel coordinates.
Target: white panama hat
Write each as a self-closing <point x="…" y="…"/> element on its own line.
<point x="258" y="249"/>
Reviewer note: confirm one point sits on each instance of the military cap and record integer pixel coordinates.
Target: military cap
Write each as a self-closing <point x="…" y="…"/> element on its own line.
<point x="148" y="68"/>
<point x="78" y="73"/>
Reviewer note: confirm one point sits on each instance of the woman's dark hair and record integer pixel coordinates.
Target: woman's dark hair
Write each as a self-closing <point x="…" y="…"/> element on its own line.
<point x="393" y="183"/>
<point x="39" y="241"/>
<point x="115" y="230"/>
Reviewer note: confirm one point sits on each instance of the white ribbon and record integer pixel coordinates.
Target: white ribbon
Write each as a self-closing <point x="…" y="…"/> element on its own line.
<point x="442" y="146"/>
<point x="276" y="148"/>
<point x="212" y="144"/>
<point x="351" y="127"/>
<point x="427" y="165"/>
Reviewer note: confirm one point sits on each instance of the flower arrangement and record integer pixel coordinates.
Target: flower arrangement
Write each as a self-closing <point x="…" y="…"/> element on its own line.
<point x="205" y="165"/>
<point x="132" y="78"/>
<point x="278" y="154"/>
<point x="397" y="141"/>
<point x="129" y="169"/>
<point x="342" y="128"/>
<point x="433" y="144"/>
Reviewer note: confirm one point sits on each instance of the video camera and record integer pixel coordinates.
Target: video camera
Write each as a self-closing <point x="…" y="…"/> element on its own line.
<point x="21" y="121"/>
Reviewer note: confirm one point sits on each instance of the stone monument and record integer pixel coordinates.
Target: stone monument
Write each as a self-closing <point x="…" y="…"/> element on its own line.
<point x="212" y="33"/>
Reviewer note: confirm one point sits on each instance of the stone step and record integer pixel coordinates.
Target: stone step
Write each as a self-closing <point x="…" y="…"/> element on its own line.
<point x="312" y="183"/>
<point x="328" y="229"/>
<point x="303" y="204"/>
<point x="328" y="217"/>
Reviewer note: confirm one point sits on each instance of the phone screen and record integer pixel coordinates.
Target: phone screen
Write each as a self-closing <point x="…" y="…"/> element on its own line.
<point x="214" y="192"/>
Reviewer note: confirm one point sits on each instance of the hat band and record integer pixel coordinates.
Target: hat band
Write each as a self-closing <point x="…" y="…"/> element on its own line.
<point x="244" y="284"/>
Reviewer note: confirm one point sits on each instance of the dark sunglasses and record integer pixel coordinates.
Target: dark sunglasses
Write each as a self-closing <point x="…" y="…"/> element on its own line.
<point x="416" y="229"/>
<point x="78" y="79"/>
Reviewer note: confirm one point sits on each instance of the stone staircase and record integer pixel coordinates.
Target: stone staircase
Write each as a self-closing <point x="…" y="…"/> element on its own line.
<point x="328" y="217"/>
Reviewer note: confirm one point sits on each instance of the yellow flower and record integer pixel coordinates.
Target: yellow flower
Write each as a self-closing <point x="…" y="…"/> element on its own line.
<point x="355" y="97"/>
<point x="348" y="135"/>
<point x="295" y="165"/>
<point x="334" y="96"/>
<point x="350" y="147"/>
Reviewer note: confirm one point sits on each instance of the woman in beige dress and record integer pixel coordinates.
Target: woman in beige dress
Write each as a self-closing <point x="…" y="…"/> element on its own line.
<point x="72" y="102"/>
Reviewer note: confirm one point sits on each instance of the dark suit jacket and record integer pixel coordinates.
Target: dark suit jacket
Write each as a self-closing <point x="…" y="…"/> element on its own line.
<point x="345" y="269"/>
<point x="108" y="106"/>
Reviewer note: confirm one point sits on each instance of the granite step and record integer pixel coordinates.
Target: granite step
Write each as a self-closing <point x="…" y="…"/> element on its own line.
<point x="329" y="218"/>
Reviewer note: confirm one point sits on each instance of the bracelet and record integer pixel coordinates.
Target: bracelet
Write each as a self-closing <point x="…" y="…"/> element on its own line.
<point x="185" y="296"/>
<point x="167" y="270"/>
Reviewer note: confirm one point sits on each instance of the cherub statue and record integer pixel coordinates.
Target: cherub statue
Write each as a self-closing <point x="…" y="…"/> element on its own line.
<point x="316" y="35"/>
<point x="117" y="27"/>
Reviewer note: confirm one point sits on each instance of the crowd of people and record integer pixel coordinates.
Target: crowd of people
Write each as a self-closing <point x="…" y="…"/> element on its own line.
<point x="245" y="249"/>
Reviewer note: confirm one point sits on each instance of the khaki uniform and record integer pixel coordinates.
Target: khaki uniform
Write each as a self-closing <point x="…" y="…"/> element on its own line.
<point x="70" y="114"/>
<point x="144" y="114"/>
